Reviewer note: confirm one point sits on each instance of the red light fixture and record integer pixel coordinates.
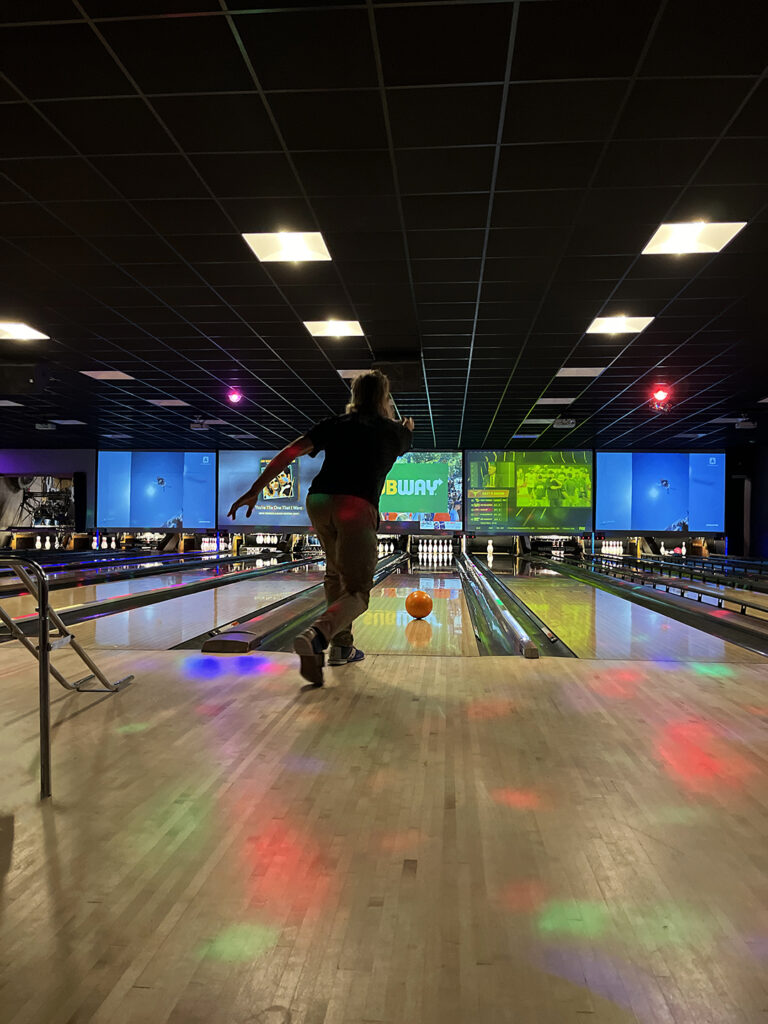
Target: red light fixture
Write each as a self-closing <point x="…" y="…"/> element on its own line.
<point x="235" y="396"/>
<point x="660" y="397"/>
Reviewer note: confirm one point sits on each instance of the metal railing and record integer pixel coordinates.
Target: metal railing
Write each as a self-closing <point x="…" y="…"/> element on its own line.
<point x="36" y="583"/>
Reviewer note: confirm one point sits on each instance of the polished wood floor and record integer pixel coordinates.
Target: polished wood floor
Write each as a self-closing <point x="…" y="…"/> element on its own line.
<point x="596" y="624"/>
<point x="429" y="840"/>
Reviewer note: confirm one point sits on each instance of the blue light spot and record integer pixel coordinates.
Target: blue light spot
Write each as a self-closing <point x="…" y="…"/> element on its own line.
<point x="201" y="667"/>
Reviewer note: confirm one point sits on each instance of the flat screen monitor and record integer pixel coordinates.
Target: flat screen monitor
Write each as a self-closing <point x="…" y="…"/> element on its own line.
<point x="661" y="492"/>
<point x="423" y="491"/>
<point x="156" y="490"/>
<point x="282" y="505"/>
<point x="529" y="492"/>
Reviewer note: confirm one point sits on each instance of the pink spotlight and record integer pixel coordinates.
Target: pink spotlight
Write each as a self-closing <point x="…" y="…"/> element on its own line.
<point x="235" y="396"/>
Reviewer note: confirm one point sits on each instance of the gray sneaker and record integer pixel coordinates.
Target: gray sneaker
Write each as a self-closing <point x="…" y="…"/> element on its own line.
<point x="338" y="655"/>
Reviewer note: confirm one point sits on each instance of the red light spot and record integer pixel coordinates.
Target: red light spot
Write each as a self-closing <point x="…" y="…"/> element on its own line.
<point x="524" y="896"/>
<point x="661" y="394"/>
<point x="693" y="753"/>
<point x="520" y="799"/>
<point x="480" y="710"/>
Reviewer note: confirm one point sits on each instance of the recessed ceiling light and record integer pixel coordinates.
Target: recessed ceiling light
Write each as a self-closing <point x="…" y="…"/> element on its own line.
<point x="689" y="435"/>
<point x="11" y="330"/>
<point x="692" y="236"/>
<point x="107" y="374"/>
<point x="69" y="423"/>
<point x="520" y="437"/>
<point x="117" y="437"/>
<point x="763" y="400"/>
<point x="619" y="324"/>
<point x="6" y="403"/>
<point x="580" y="371"/>
<point x="334" y="328"/>
<point x="241" y="437"/>
<point x="727" y="419"/>
<point x="215" y="423"/>
<point x="288" y="246"/>
<point x="544" y="420"/>
<point x="554" y="401"/>
<point x="171" y="403"/>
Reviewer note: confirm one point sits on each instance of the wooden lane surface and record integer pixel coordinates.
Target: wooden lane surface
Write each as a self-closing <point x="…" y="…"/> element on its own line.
<point x="595" y="624"/>
<point x="388" y="628"/>
<point x="163" y="625"/>
<point x="25" y="604"/>
<point x="548" y="842"/>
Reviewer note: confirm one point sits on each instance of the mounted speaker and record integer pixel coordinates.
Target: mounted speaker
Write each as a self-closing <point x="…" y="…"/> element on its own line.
<point x="404" y="374"/>
<point x="80" y="495"/>
<point x="22" y="378"/>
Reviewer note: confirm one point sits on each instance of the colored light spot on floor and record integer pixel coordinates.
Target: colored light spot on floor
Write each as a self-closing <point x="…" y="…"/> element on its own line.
<point x="716" y="671"/>
<point x="251" y="663"/>
<point x="202" y="667"/>
<point x="241" y="942"/>
<point x="483" y="710"/>
<point x="520" y="799"/>
<point x="523" y="896"/>
<point x="694" y="754"/>
<point x="578" y="918"/>
<point x="131" y="727"/>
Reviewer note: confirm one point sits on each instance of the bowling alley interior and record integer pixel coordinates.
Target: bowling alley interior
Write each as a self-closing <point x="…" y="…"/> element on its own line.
<point x="535" y="788"/>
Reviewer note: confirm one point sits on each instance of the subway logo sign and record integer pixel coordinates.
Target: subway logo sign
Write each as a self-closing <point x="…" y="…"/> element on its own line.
<point x="415" y="487"/>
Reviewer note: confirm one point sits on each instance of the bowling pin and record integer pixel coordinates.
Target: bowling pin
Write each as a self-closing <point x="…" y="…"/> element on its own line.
<point x="38" y="542"/>
<point x="104" y="543"/>
<point x="47" y="543"/>
<point x="113" y="545"/>
<point x="683" y="549"/>
<point x="379" y="549"/>
<point x="94" y="543"/>
<point x="56" y="542"/>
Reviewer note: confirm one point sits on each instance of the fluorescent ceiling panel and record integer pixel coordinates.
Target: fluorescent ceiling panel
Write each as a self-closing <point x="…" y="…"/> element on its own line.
<point x="288" y="246"/>
<point x="107" y="374"/>
<point x="334" y="328"/>
<point x="553" y="401"/>
<point x="619" y="324"/>
<point x="11" y="330"/>
<point x="580" y="371"/>
<point x="170" y="403"/>
<point x="692" y="236"/>
<point x="69" y="423"/>
<point x="7" y="403"/>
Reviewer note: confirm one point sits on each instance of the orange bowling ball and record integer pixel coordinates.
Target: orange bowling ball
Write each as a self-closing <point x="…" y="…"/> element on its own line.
<point x="418" y="604"/>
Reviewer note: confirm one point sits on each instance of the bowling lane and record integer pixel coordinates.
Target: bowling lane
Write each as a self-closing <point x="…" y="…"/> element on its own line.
<point x="595" y="624"/>
<point x="84" y="593"/>
<point x="386" y="628"/>
<point x="158" y="627"/>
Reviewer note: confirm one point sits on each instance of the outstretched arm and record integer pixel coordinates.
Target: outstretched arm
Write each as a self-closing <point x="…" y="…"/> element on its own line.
<point x="301" y="446"/>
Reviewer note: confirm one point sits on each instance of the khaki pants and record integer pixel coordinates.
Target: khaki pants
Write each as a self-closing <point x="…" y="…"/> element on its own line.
<point x="346" y="527"/>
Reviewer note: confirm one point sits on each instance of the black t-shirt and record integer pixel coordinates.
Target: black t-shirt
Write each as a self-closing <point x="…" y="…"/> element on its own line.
<point x="359" y="452"/>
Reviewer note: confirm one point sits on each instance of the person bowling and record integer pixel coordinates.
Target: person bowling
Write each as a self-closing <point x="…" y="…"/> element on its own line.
<point x="360" y="448"/>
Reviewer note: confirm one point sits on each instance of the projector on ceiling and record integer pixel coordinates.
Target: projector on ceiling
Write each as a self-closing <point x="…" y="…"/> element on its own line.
<point x="45" y="426"/>
<point x="562" y="423"/>
<point x="745" y="424"/>
<point x="198" y="424"/>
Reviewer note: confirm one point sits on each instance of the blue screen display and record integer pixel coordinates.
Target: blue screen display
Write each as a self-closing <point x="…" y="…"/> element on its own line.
<point x="283" y="504"/>
<point x="156" y="490"/>
<point x="661" y="491"/>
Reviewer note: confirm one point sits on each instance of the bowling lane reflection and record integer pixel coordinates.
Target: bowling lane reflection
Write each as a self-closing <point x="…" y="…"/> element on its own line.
<point x="595" y="624"/>
<point x="387" y="628"/>
<point x="157" y="627"/>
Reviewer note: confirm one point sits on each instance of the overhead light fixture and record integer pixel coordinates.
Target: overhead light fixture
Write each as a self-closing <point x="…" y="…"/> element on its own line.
<point x="334" y="328"/>
<point x="521" y="437"/>
<point x="6" y="403"/>
<point x="619" y="324"/>
<point x="11" y="330"/>
<point x="234" y="395"/>
<point x="215" y="423"/>
<point x="580" y="371"/>
<point x="351" y="374"/>
<point x="288" y="246"/>
<point x="169" y="403"/>
<point x="554" y="401"/>
<point x="563" y="423"/>
<point x="117" y="437"/>
<point x="727" y="419"/>
<point x="69" y="423"/>
<point x="692" y="236"/>
<point x="545" y="420"/>
<point x="691" y="437"/>
<point x="660" y="398"/>
<point x="762" y="400"/>
<point x="45" y="426"/>
<point x="241" y="437"/>
<point x="107" y="375"/>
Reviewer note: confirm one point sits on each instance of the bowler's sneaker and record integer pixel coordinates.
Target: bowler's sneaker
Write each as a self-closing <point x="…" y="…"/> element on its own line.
<point x="339" y="655"/>
<point x="310" y="647"/>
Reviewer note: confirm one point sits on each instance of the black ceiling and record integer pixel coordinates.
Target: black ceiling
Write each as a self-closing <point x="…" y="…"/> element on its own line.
<point x="484" y="174"/>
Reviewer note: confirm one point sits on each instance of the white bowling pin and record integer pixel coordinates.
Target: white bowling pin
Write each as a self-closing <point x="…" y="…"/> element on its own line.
<point x="47" y="543"/>
<point x="104" y="543"/>
<point x="683" y="549"/>
<point x="94" y="543"/>
<point x="113" y="545"/>
<point x="38" y="542"/>
<point x="56" y="542"/>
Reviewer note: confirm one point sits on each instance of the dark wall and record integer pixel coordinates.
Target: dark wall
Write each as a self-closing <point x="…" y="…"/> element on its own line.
<point x="759" y="503"/>
<point x="63" y="462"/>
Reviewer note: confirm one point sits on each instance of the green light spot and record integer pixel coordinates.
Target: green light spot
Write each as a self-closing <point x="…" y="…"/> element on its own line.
<point x="580" y="918"/>
<point x="241" y="942"/>
<point x="718" y="671"/>
<point x="126" y="730"/>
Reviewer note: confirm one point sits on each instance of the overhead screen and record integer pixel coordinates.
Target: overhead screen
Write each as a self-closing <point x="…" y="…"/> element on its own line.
<point x="661" y="491"/>
<point x="529" y="492"/>
<point x="423" y="491"/>
<point x="156" y="490"/>
<point x="282" y="505"/>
